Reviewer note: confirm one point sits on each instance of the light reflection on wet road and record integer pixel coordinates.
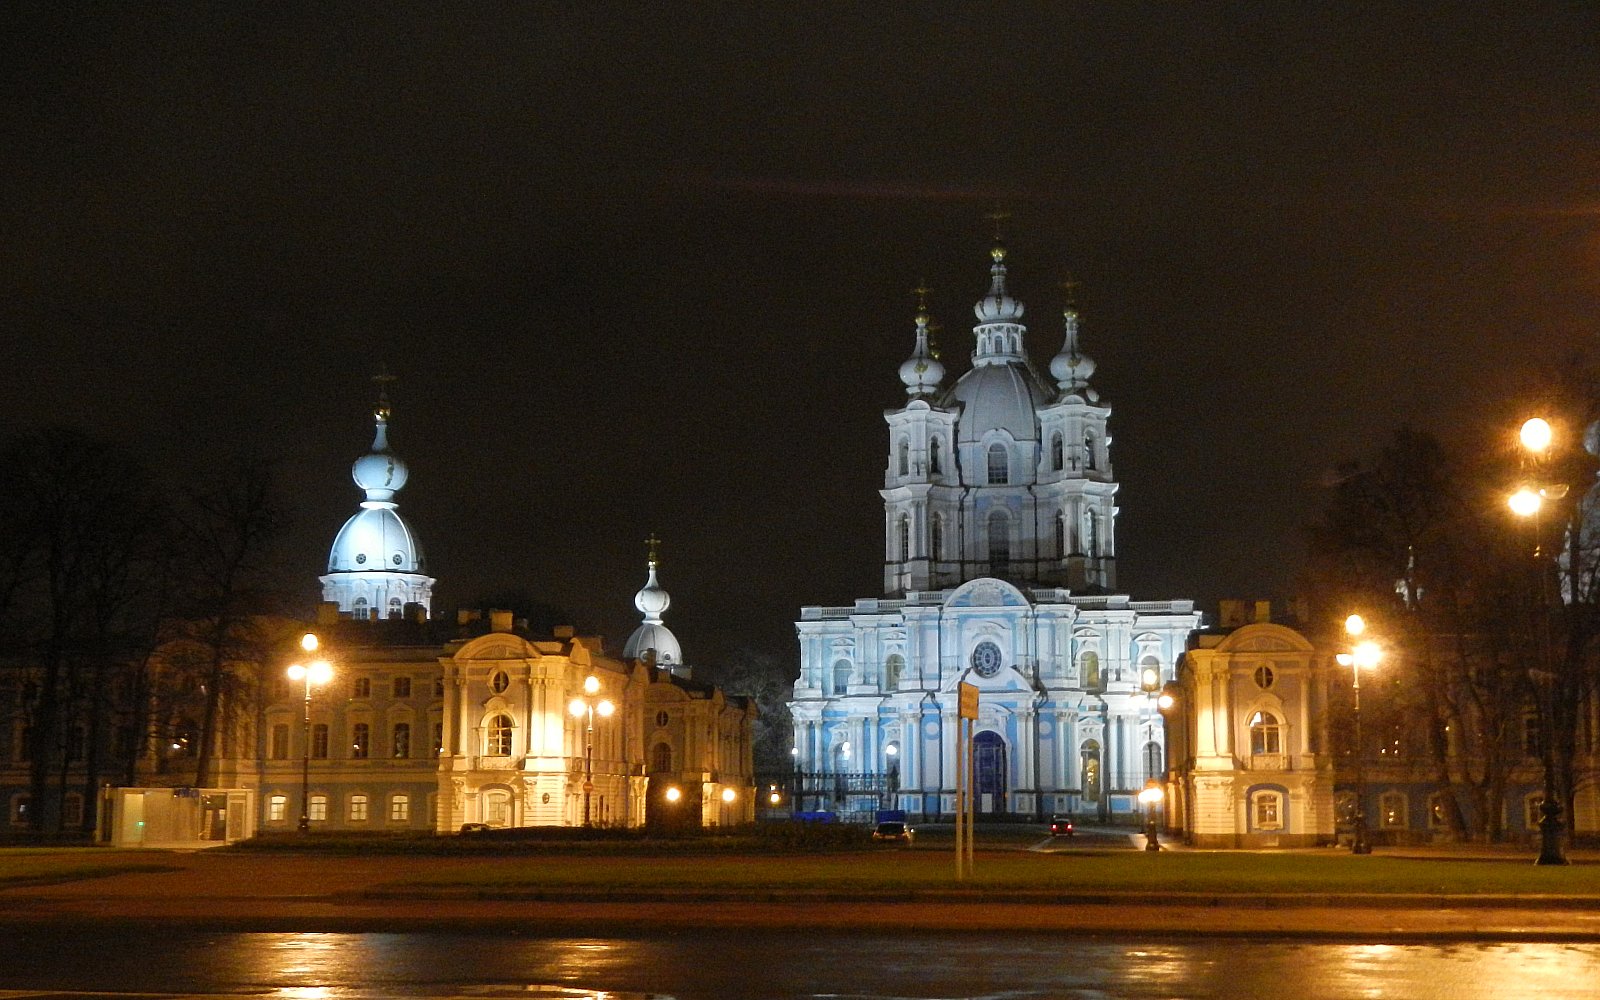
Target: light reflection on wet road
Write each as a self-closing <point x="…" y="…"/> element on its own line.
<point x="777" y="966"/>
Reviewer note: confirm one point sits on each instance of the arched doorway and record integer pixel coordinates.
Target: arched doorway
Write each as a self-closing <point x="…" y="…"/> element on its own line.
<point x="1089" y="774"/>
<point x="989" y="771"/>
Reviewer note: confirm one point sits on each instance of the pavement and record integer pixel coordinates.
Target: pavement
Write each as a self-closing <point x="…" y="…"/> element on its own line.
<point x="286" y="892"/>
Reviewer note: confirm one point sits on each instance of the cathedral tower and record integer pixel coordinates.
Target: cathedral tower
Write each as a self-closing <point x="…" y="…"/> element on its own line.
<point x="375" y="568"/>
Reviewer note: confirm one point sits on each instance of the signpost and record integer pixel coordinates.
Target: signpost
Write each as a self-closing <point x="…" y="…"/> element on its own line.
<point x="966" y="721"/>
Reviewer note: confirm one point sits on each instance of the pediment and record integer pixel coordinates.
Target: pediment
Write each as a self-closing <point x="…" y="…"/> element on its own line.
<point x="986" y="593"/>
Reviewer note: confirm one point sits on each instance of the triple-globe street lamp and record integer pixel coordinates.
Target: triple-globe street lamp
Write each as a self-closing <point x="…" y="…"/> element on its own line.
<point x="315" y="673"/>
<point x="587" y="706"/>
<point x="1151" y="795"/>
<point x="1536" y="437"/>
<point x="1364" y="653"/>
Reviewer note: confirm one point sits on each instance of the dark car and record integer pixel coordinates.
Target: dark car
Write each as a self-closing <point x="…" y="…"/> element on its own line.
<point x="893" y="832"/>
<point x="1061" y="826"/>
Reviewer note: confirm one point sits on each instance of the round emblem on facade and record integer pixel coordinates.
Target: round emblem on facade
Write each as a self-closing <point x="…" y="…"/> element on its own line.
<point x="986" y="659"/>
<point x="932" y="729"/>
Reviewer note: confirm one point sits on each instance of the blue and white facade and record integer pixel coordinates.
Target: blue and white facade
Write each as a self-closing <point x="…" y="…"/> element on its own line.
<point x="999" y="564"/>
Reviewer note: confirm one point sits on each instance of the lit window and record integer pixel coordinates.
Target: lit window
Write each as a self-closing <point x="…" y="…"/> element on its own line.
<point x="358" y="808"/>
<point x="1089" y="669"/>
<point x="399" y="808"/>
<point x="317" y="810"/>
<point x="1265" y="736"/>
<point x="1392" y="810"/>
<point x="280" y="742"/>
<point x="1268" y="811"/>
<point x="999" y="465"/>
<point x="360" y="741"/>
<point x="402" y="687"/>
<point x="892" y="668"/>
<point x="401" y="744"/>
<point x="498" y="737"/>
<point x="277" y="808"/>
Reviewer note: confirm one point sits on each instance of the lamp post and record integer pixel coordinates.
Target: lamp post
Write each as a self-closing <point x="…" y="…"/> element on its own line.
<point x="586" y="706"/>
<point x="1365" y="653"/>
<point x="1150" y="684"/>
<point x="314" y="673"/>
<point x="1527" y="502"/>
<point x="1151" y="797"/>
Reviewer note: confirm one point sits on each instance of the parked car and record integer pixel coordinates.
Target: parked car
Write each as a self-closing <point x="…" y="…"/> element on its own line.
<point x="893" y="832"/>
<point x="1061" y="826"/>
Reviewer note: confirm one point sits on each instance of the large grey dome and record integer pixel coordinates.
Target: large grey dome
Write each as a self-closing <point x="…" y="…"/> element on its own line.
<point x="998" y="397"/>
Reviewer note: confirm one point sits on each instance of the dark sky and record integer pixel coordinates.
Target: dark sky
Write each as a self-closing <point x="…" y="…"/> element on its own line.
<point x="645" y="267"/>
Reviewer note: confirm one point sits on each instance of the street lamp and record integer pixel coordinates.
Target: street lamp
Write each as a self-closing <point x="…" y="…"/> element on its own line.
<point x="1365" y="653"/>
<point x="1151" y="797"/>
<point x="316" y="672"/>
<point x="1150" y="684"/>
<point x="583" y="706"/>
<point x="1528" y="501"/>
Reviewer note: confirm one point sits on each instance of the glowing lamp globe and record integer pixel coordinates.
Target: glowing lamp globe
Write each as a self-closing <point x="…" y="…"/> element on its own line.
<point x="1525" y="502"/>
<point x="1536" y="434"/>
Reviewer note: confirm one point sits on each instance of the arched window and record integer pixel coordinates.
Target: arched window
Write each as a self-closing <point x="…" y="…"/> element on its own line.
<point x="1089" y="775"/>
<point x="999" y="465"/>
<point x="905" y="537"/>
<point x="905" y="457"/>
<point x="999" y="543"/>
<point x="1089" y="669"/>
<point x="1265" y="736"/>
<point x="936" y="537"/>
<point x="401" y="743"/>
<point x="841" y="676"/>
<point x="396" y="606"/>
<point x="935" y="457"/>
<point x="1152" y="761"/>
<point x="497" y="738"/>
<point x="661" y="758"/>
<point x="360" y="741"/>
<point x="1091" y="533"/>
<point x="1061" y="535"/>
<point x="892" y="668"/>
<point x="1090" y="463"/>
<point x="1057" y="452"/>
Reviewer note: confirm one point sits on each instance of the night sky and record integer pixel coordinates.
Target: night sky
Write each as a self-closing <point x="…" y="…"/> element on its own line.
<point x="647" y="267"/>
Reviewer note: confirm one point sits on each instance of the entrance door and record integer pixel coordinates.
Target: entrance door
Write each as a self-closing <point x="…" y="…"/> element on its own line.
<point x="989" y="771"/>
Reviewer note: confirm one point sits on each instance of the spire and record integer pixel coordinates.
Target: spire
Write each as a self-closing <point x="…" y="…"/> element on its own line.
<point x="1072" y="367"/>
<point x="652" y="637"/>
<point x="922" y="373"/>
<point x="999" y="330"/>
<point x="379" y="472"/>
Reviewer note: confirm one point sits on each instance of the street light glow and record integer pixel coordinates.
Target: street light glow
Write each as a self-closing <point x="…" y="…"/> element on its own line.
<point x="605" y="708"/>
<point x="591" y="684"/>
<point x="1355" y="625"/>
<point x="320" y="672"/>
<point x="1536" y="434"/>
<point x="1367" y="654"/>
<point x="296" y="672"/>
<point x="308" y="642"/>
<point x="673" y="794"/>
<point x="728" y="795"/>
<point x="577" y="707"/>
<point x="1525" y="502"/>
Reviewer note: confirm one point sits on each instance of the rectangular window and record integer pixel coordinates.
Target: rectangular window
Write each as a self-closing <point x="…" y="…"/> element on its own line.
<point x="438" y="739"/>
<point x="363" y="687"/>
<point x="358" y="808"/>
<point x="1392" y="811"/>
<point x="1267" y="811"/>
<point x="402" y="687"/>
<point x="20" y="805"/>
<point x="277" y="808"/>
<point x="319" y="741"/>
<point x="317" y="810"/>
<point x="400" y="809"/>
<point x="280" y="742"/>
<point x="360" y="741"/>
<point x="402" y="739"/>
<point x="72" y="810"/>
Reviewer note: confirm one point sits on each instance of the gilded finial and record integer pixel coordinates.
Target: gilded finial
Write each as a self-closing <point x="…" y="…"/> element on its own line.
<point x="654" y="543"/>
<point x="921" y="292"/>
<point x="998" y="217"/>
<point x="381" y="408"/>
<point x="1069" y="284"/>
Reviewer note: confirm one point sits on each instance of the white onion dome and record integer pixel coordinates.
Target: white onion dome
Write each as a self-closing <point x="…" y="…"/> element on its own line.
<point x="380" y="472"/>
<point x="376" y="540"/>
<point x="998" y="397"/>
<point x="1072" y="368"/>
<point x="998" y="306"/>
<point x="922" y="373"/>
<point x="652" y="639"/>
